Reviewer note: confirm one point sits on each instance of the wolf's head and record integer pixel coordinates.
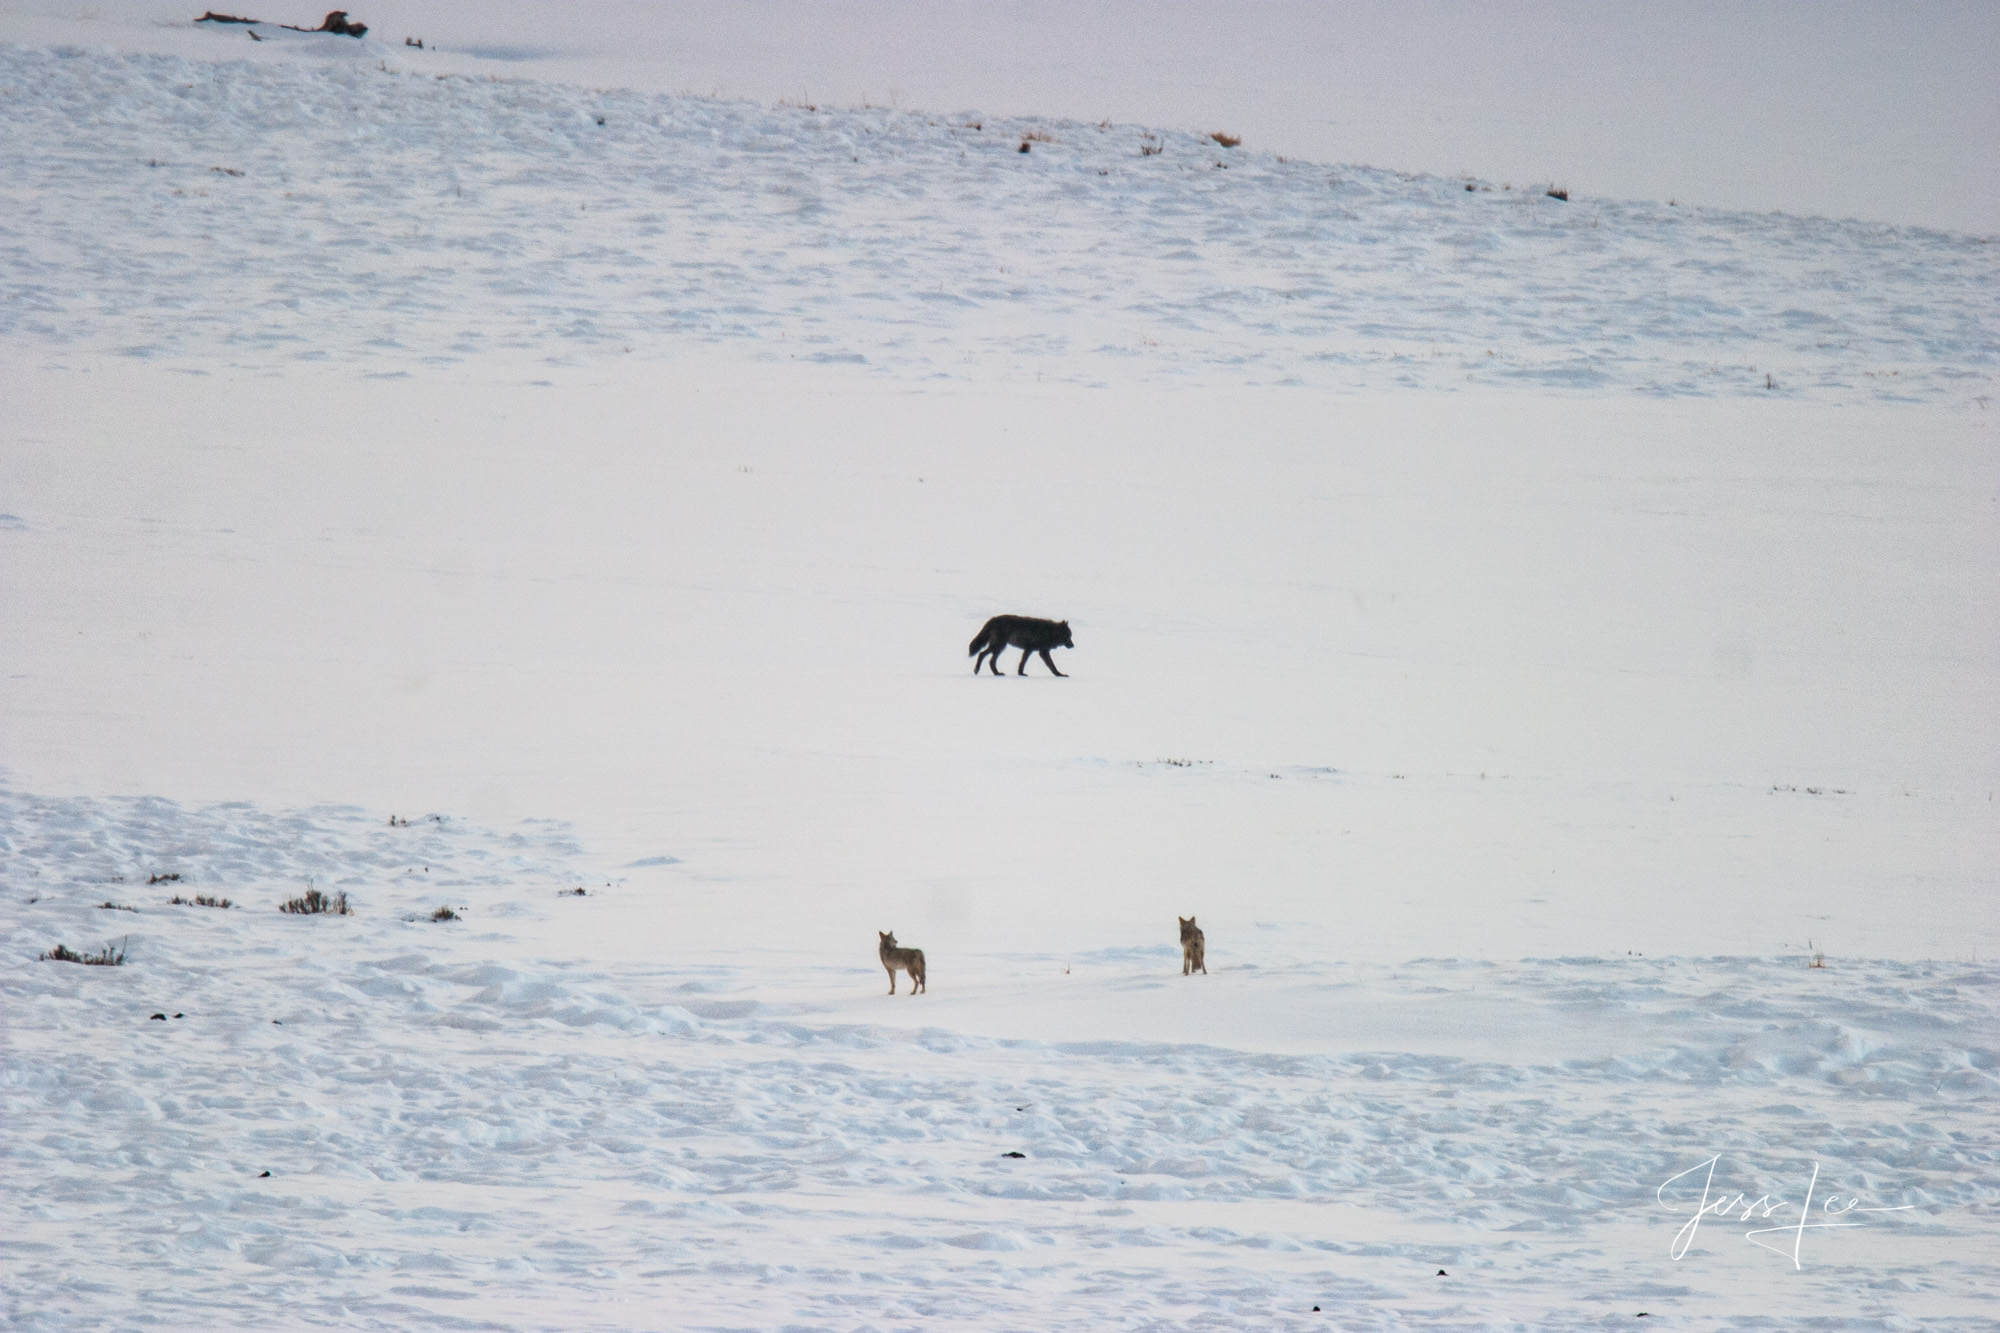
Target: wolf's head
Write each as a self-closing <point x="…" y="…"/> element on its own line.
<point x="1187" y="927"/>
<point x="1067" y="642"/>
<point x="888" y="938"/>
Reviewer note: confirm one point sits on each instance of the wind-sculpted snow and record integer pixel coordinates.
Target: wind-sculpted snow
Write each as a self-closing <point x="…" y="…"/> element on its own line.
<point x="102" y="846"/>
<point x="258" y="214"/>
<point x="560" y="1142"/>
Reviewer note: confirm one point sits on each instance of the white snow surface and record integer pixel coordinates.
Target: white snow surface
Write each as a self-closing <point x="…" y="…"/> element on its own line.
<point x="258" y="214"/>
<point x="1528" y="635"/>
<point x="463" y="1127"/>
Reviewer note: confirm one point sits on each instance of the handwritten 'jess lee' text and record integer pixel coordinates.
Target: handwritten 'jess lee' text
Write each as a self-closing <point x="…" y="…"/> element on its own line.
<point x="1723" y="1205"/>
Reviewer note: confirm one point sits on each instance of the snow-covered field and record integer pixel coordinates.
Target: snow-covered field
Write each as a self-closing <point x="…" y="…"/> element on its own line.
<point x="493" y="1124"/>
<point x="1526" y="633"/>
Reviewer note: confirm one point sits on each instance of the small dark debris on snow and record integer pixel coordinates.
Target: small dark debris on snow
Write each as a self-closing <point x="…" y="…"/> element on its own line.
<point x="263" y="1175"/>
<point x="1025" y="146"/>
<point x="161" y="1017"/>
<point x="164" y="879"/>
<point x="1559" y="194"/>
<point x="1013" y="1154"/>
<point x="1442" y="1273"/>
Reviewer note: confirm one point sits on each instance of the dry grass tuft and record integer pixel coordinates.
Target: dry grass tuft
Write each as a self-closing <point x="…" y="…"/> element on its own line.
<point x="315" y="902"/>
<point x="105" y="957"/>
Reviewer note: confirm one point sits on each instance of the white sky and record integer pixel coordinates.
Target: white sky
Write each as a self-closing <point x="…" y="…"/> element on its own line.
<point x="1876" y="110"/>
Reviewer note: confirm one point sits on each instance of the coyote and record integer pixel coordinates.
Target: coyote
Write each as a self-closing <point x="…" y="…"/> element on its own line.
<point x="910" y="960"/>
<point x="1194" y="948"/>
<point x="1024" y="632"/>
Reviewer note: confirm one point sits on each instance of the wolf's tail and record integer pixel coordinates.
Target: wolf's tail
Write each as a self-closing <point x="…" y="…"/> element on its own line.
<point x="979" y="639"/>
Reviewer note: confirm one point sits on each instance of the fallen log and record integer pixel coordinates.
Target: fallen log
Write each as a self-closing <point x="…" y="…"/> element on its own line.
<point x="334" y="22"/>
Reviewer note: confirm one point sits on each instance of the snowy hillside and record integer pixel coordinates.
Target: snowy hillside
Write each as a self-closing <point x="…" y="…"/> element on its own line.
<point x="1548" y="645"/>
<point x="255" y="215"/>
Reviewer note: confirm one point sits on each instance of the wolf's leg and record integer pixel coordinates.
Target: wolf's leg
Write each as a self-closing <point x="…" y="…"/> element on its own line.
<point x="1026" y="653"/>
<point x="994" y="659"/>
<point x="892" y="978"/>
<point x="1050" y="660"/>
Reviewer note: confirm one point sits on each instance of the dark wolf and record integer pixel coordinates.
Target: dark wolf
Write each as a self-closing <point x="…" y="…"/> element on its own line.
<point x="1024" y="632"/>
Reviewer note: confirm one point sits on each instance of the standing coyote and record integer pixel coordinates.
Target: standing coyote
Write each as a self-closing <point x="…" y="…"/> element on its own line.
<point x="1194" y="948"/>
<point x="1024" y="632"/>
<point x="910" y="960"/>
